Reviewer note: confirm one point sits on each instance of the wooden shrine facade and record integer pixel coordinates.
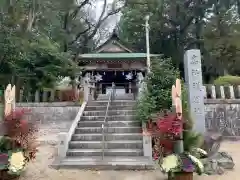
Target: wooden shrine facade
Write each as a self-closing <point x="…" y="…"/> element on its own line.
<point x="114" y="62"/>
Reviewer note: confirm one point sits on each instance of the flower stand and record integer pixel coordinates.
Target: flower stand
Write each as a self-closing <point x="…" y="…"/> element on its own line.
<point x="4" y="175"/>
<point x="183" y="176"/>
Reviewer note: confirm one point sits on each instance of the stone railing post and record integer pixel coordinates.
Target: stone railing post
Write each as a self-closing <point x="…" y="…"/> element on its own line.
<point x="45" y="93"/>
<point x="231" y="92"/>
<point x="86" y="91"/>
<point x="37" y="96"/>
<point x="147" y="143"/>
<point x="213" y="92"/>
<point x="62" y="145"/>
<point x="222" y="93"/>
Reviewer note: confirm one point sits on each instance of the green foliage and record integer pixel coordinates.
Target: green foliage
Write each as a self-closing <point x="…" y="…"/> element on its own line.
<point x="227" y="80"/>
<point x="191" y="139"/>
<point x="157" y="93"/>
<point x="179" y="25"/>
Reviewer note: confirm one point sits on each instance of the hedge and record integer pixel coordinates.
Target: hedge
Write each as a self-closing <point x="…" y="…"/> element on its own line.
<point x="227" y="80"/>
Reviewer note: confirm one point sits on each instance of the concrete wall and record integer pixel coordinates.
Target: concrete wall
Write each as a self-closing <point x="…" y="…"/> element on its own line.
<point x="52" y="117"/>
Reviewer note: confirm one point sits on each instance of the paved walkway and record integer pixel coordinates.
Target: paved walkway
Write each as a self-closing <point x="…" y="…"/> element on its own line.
<point x="40" y="170"/>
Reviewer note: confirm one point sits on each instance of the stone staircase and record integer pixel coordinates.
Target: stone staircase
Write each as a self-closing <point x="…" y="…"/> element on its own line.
<point x="123" y="138"/>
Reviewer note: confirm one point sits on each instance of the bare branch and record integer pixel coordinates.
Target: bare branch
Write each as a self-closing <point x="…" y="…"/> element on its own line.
<point x="102" y="19"/>
<point x="99" y="20"/>
<point x="82" y="32"/>
<point x="78" y="8"/>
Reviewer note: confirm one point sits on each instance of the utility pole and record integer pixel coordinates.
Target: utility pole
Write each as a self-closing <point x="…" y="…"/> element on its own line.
<point x="147" y="27"/>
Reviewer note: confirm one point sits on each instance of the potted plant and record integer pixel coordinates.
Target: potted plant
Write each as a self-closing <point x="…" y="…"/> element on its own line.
<point x="17" y="139"/>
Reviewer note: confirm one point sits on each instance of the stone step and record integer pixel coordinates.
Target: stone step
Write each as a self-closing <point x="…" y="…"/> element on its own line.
<point x="109" y="123"/>
<point x="116" y="98"/>
<point x="114" y="103"/>
<point x="108" y="137"/>
<point x="111" y="107"/>
<point x="127" y="144"/>
<point x="109" y="118"/>
<point x="91" y="130"/>
<point x="107" y="152"/>
<point x="110" y="113"/>
<point x="109" y="163"/>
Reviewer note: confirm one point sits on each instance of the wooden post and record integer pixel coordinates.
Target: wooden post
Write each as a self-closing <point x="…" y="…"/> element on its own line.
<point x="9" y="96"/>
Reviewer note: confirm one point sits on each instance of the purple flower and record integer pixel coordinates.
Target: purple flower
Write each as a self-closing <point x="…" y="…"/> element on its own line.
<point x="187" y="165"/>
<point x="3" y="160"/>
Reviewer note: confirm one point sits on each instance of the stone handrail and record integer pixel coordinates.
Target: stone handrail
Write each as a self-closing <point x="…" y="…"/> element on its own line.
<point x="221" y="92"/>
<point x="65" y="138"/>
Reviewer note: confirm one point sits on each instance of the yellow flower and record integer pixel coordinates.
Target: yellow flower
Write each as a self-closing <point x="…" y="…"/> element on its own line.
<point x="16" y="162"/>
<point x="169" y="162"/>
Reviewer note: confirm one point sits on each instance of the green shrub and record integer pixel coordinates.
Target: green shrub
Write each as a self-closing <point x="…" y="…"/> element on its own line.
<point x="156" y="96"/>
<point x="227" y="80"/>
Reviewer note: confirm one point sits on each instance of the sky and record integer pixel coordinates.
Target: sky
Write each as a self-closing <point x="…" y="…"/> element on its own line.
<point x="112" y="21"/>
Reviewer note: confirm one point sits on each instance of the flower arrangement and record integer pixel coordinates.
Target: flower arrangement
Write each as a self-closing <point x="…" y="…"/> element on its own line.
<point x="186" y="161"/>
<point x="17" y="144"/>
<point x="179" y="155"/>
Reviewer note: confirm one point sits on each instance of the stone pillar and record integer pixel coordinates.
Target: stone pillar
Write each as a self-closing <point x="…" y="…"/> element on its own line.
<point x="193" y="78"/>
<point x="130" y="87"/>
<point x="140" y="84"/>
<point x="1" y="105"/>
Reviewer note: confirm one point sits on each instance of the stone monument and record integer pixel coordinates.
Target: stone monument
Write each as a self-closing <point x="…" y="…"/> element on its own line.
<point x="193" y="78"/>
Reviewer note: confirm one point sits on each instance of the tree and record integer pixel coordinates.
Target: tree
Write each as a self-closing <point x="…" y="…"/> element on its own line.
<point x="28" y="56"/>
<point x="221" y="42"/>
<point x="41" y="40"/>
<point x="176" y="26"/>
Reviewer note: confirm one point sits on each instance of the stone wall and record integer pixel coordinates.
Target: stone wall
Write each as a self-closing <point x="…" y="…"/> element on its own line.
<point x="52" y="117"/>
<point x="223" y="115"/>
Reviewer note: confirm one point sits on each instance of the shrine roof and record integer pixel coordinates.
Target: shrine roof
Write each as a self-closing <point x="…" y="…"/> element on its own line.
<point x="140" y="56"/>
<point x="114" y="49"/>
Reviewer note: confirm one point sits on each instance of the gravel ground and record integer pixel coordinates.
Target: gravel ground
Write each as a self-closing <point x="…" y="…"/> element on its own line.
<point x="40" y="169"/>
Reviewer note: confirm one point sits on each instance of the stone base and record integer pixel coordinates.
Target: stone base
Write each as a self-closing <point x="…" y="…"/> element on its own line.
<point x="218" y="163"/>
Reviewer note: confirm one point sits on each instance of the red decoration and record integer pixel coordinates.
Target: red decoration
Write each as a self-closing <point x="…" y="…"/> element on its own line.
<point x="170" y="125"/>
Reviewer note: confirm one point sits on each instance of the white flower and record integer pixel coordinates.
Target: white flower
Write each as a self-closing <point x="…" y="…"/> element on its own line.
<point x="16" y="162"/>
<point x="170" y="162"/>
<point x="200" y="151"/>
<point x="198" y="164"/>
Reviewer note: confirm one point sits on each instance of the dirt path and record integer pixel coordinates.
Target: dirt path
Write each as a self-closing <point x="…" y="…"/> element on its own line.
<point x="40" y="170"/>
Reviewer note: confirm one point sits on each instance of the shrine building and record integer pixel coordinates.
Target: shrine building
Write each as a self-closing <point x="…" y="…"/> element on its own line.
<point x="114" y="62"/>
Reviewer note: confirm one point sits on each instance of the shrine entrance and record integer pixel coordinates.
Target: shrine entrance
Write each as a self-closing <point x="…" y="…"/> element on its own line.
<point x="113" y="62"/>
<point x="124" y="81"/>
